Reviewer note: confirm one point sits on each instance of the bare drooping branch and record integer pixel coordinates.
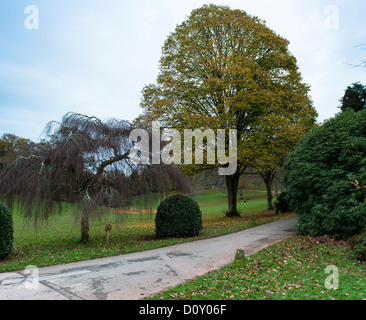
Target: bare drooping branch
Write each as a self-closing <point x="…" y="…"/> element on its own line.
<point x="84" y="161"/>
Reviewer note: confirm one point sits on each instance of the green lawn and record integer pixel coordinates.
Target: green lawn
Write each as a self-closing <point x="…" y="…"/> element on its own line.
<point x="290" y="270"/>
<point x="293" y="269"/>
<point x="57" y="241"/>
<point x="214" y="203"/>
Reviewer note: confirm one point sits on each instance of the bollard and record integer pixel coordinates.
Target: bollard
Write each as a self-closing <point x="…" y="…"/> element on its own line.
<point x="108" y="229"/>
<point x="240" y="259"/>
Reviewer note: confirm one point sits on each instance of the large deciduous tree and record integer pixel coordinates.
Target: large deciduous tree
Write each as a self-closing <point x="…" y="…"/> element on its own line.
<point x="84" y="161"/>
<point x="224" y="69"/>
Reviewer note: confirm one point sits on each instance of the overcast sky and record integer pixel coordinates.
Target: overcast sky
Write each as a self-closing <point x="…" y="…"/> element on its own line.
<point x="95" y="56"/>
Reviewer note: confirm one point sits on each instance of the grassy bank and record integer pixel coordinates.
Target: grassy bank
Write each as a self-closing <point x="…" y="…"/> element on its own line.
<point x="57" y="241"/>
<point x="294" y="269"/>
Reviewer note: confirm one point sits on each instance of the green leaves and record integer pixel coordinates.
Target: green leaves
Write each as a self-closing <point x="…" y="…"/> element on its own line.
<point x="178" y="216"/>
<point x="354" y="97"/>
<point x="318" y="175"/>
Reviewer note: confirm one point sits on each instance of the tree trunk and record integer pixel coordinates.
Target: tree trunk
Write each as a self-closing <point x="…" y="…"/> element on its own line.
<point x="268" y="181"/>
<point x="269" y="196"/>
<point x="84" y="227"/>
<point x="232" y="183"/>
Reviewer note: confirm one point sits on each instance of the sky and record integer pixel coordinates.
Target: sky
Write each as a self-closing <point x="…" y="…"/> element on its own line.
<point x="95" y="56"/>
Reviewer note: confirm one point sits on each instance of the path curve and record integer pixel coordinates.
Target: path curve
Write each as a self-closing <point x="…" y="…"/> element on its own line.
<point x="143" y="274"/>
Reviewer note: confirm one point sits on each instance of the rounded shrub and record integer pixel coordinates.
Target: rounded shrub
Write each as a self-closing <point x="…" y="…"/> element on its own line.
<point x="6" y="231"/>
<point x="178" y="216"/>
<point x="320" y="177"/>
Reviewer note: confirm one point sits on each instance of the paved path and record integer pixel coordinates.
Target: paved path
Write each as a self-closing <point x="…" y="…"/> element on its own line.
<point x="139" y="275"/>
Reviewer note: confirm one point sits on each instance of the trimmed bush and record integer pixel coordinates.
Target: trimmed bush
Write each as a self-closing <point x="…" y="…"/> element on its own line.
<point x="178" y="216"/>
<point x="6" y="231"/>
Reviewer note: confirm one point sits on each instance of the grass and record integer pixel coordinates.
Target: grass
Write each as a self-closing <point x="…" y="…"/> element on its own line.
<point x="214" y="203"/>
<point x="290" y="270"/>
<point x="57" y="241"/>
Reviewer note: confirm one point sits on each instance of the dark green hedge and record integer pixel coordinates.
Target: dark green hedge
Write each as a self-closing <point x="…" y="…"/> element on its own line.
<point x="6" y="231"/>
<point x="319" y="175"/>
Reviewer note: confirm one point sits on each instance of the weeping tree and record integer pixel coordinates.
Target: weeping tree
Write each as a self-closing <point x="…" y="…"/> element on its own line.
<point x="85" y="161"/>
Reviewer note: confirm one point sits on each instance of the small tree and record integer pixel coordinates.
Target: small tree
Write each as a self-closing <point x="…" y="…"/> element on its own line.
<point x="276" y="137"/>
<point x="354" y="97"/>
<point x="84" y="161"/>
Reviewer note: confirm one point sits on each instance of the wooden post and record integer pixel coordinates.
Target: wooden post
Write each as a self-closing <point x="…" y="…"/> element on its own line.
<point x="108" y="229"/>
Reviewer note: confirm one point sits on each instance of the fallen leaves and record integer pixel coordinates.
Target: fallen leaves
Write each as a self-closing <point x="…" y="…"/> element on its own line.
<point x="291" y="270"/>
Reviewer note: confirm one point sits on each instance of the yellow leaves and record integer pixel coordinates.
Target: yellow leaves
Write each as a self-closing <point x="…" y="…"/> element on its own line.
<point x="223" y="69"/>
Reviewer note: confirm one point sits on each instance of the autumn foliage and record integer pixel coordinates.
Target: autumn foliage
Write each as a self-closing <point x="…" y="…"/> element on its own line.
<point x="224" y="69"/>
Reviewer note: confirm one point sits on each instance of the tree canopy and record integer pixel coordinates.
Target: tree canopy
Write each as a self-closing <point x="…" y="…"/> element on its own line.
<point x="224" y="69"/>
<point x="276" y="137"/>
